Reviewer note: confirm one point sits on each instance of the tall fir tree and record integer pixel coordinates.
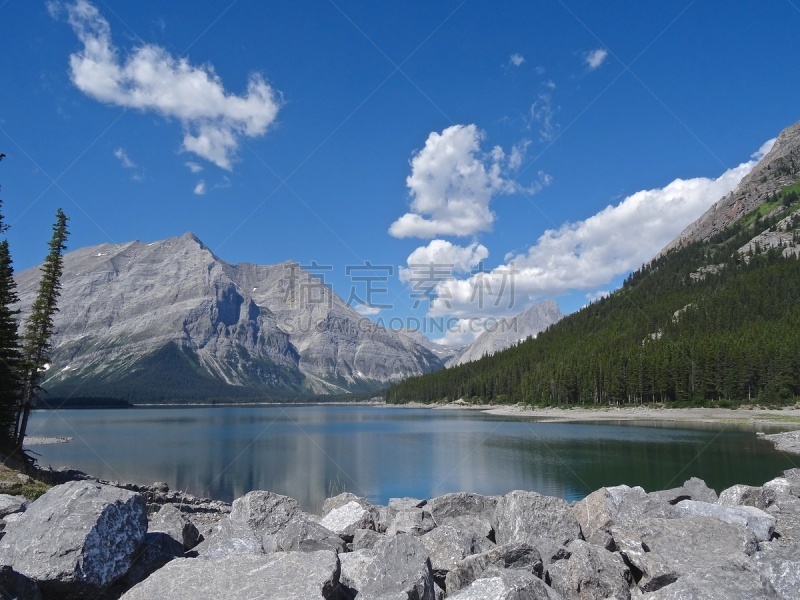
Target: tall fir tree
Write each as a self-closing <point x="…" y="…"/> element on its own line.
<point x="39" y="326"/>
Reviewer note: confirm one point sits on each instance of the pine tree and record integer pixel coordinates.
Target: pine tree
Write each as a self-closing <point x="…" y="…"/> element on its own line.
<point x="39" y="327"/>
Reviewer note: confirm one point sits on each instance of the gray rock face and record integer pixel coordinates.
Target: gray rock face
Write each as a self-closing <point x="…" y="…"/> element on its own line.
<point x="765" y="179"/>
<point x="414" y="521"/>
<point x="462" y="504"/>
<point x="754" y="519"/>
<point x="156" y="551"/>
<point x="175" y="524"/>
<point x="664" y="550"/>
<point x="345" y="520"/>
<point x="692" y="489"/>
<point x="77" y="536"/>
<point x="366" y="539"/>
<point x="717" y="583"/>
<point x="251" y="527"/>
<point x="508" y="556"/>
<point x="266" y="328"/>
<point x="398" y="567"/>
<point x="616" y="505"/>
<point x="528" y="323"/>
<point x="11" y="504"/>
<point x="340" y="500"/>
<point x="307" y="536"/>
<point x="524" y="516"/>
<point x="746" y="495"/>
<point x="284" y="575"/>
<point x="590" y="573"/>
<point x="447" y="546"/>
<point x="508" y="584"/>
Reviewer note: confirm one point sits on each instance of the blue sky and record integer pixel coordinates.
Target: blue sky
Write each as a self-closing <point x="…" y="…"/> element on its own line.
<point x="555" y="145"/>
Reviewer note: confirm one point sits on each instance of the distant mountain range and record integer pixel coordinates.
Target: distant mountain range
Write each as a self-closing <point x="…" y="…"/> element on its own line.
<point x="169" y="321"/>
<point x="713" y="319"/>
<point x="508" y="332"/>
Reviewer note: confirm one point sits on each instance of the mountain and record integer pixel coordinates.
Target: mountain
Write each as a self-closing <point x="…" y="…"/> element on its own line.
<point x="775" y="171"/>
<point x="714" y="319"/>
<point x="442" y="351"/>
<point x="170" y="321"/>
<point x="508" y="332"/>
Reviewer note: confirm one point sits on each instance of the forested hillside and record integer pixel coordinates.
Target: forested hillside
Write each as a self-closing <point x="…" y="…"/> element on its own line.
<point x="715" y="322"/>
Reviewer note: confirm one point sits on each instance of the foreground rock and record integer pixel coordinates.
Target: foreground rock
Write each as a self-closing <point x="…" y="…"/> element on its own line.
<point x="508" y="584"/>
<point x="77" y="538"/>
<point x="524" y="516"/>
<point x="508" y="556"/>
<point x="284" y="575"/>
<point x="590" y="573"/>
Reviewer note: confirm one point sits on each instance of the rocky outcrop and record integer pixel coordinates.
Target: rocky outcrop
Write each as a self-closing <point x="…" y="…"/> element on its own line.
<point x="129" y="313"/>
<point x="508" y="332"/>
<point x="86" y="539"/>
<point x="778" y="169"/>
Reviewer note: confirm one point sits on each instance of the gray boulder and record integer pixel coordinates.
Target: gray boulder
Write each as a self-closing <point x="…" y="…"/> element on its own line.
<point x="11" y="504"/>
<point x="14" y="586"/>
<point x="340" y="500"/>
<point x="590" y="573"/>
<point x="396" y="504"/>
<point x="307" y="536"/>
<point x="345" y="520"/>
<point x="366" y="538"/>
<point x="756" y="520"/>
<point x="665" y="549"/>
<point x="717" y="583"/>
<point x="447" y="546"/>
<point x="462" y="504"/>
<point x="551" y="551"/>
<point x="747" y="495"/>
<point x="779" y="564"/>
<point x="480" y="526"/>
<point x="523" y="516"/>
<point x="397" y="567"/>
<point x="250" y="528"/>
<point x="507" y="556"/>
<point x="507" y="584"/>
<point x="156" y="551"/>
<point x="176" y="524"/>
<point x="692" y="489"/>
<point x="413" y="521"/>
<point x="78" y="537"/>
<point x="616" y="505"/>
<point x="284" y="575"/>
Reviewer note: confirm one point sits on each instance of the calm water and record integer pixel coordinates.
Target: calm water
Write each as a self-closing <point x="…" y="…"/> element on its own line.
<point x="311" y="452"/>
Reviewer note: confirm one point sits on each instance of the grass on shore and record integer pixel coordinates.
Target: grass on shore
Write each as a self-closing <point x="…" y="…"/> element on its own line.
<point x="16" y="483"/>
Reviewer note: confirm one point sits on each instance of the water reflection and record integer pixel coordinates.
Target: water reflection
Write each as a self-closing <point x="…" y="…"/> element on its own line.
<point x="312" y="452"/>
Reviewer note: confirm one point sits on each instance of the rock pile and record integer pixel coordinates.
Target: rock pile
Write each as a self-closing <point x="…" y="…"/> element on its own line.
<point x="86" y="539"/>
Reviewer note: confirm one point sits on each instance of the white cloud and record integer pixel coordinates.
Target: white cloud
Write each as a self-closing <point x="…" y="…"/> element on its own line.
<point x="452" y="183"/>
<point x="124" y="159"/>
<point x="193" y="166"/>
<point x="597" y="295"/>
<point x="150" y="79"/>
<point x="200" y="188"/>
<point x="448" y="258"/>
<point x="542" y="117"/>
<point x="595" y="58"/>
<point x="516" y="59"/>
<point x="367" y="311"/>
<point x="589" y="254"/>
<point x="461" y="332"/>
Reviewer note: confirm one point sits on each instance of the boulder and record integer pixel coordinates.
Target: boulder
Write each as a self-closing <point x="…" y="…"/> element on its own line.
<point x="366" y="538"/>
<point x="396" y="504"/>
<point x="447" y="546"/>
<point x="414" y="521"/>
<point x="507" y="584"/>
<point x="692" y="489"/>
<point x="170" y="520"/>
<point x="756" y="520"/>
<point x="345" y="520"/>
<point x="284" y="575"/>
<point x="342" y="499"/>
<point x="551" y="551"/>
<point x="662" y="550"/>
<point x="590" y="573"/>
<point x="17" y="586"/>
<point x="507" y="556"/>
<point x="779" y="564"/>
<point x="250" y="528"/>
<point x="523" y="516"/>
<point x="307" y="536"/>
<point x="746" y="495"/>
<point x="462" y="504"/>
<point x="616" y="505"/>
<point x="78" y="537"/>
<point x="397" y="567"/>
<point x="473" y="523"/>
<point x="717" y="583"/>
<point x="11" y="504"/>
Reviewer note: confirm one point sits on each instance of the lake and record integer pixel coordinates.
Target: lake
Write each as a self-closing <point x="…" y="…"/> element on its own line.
<point x="312" y="452"/>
